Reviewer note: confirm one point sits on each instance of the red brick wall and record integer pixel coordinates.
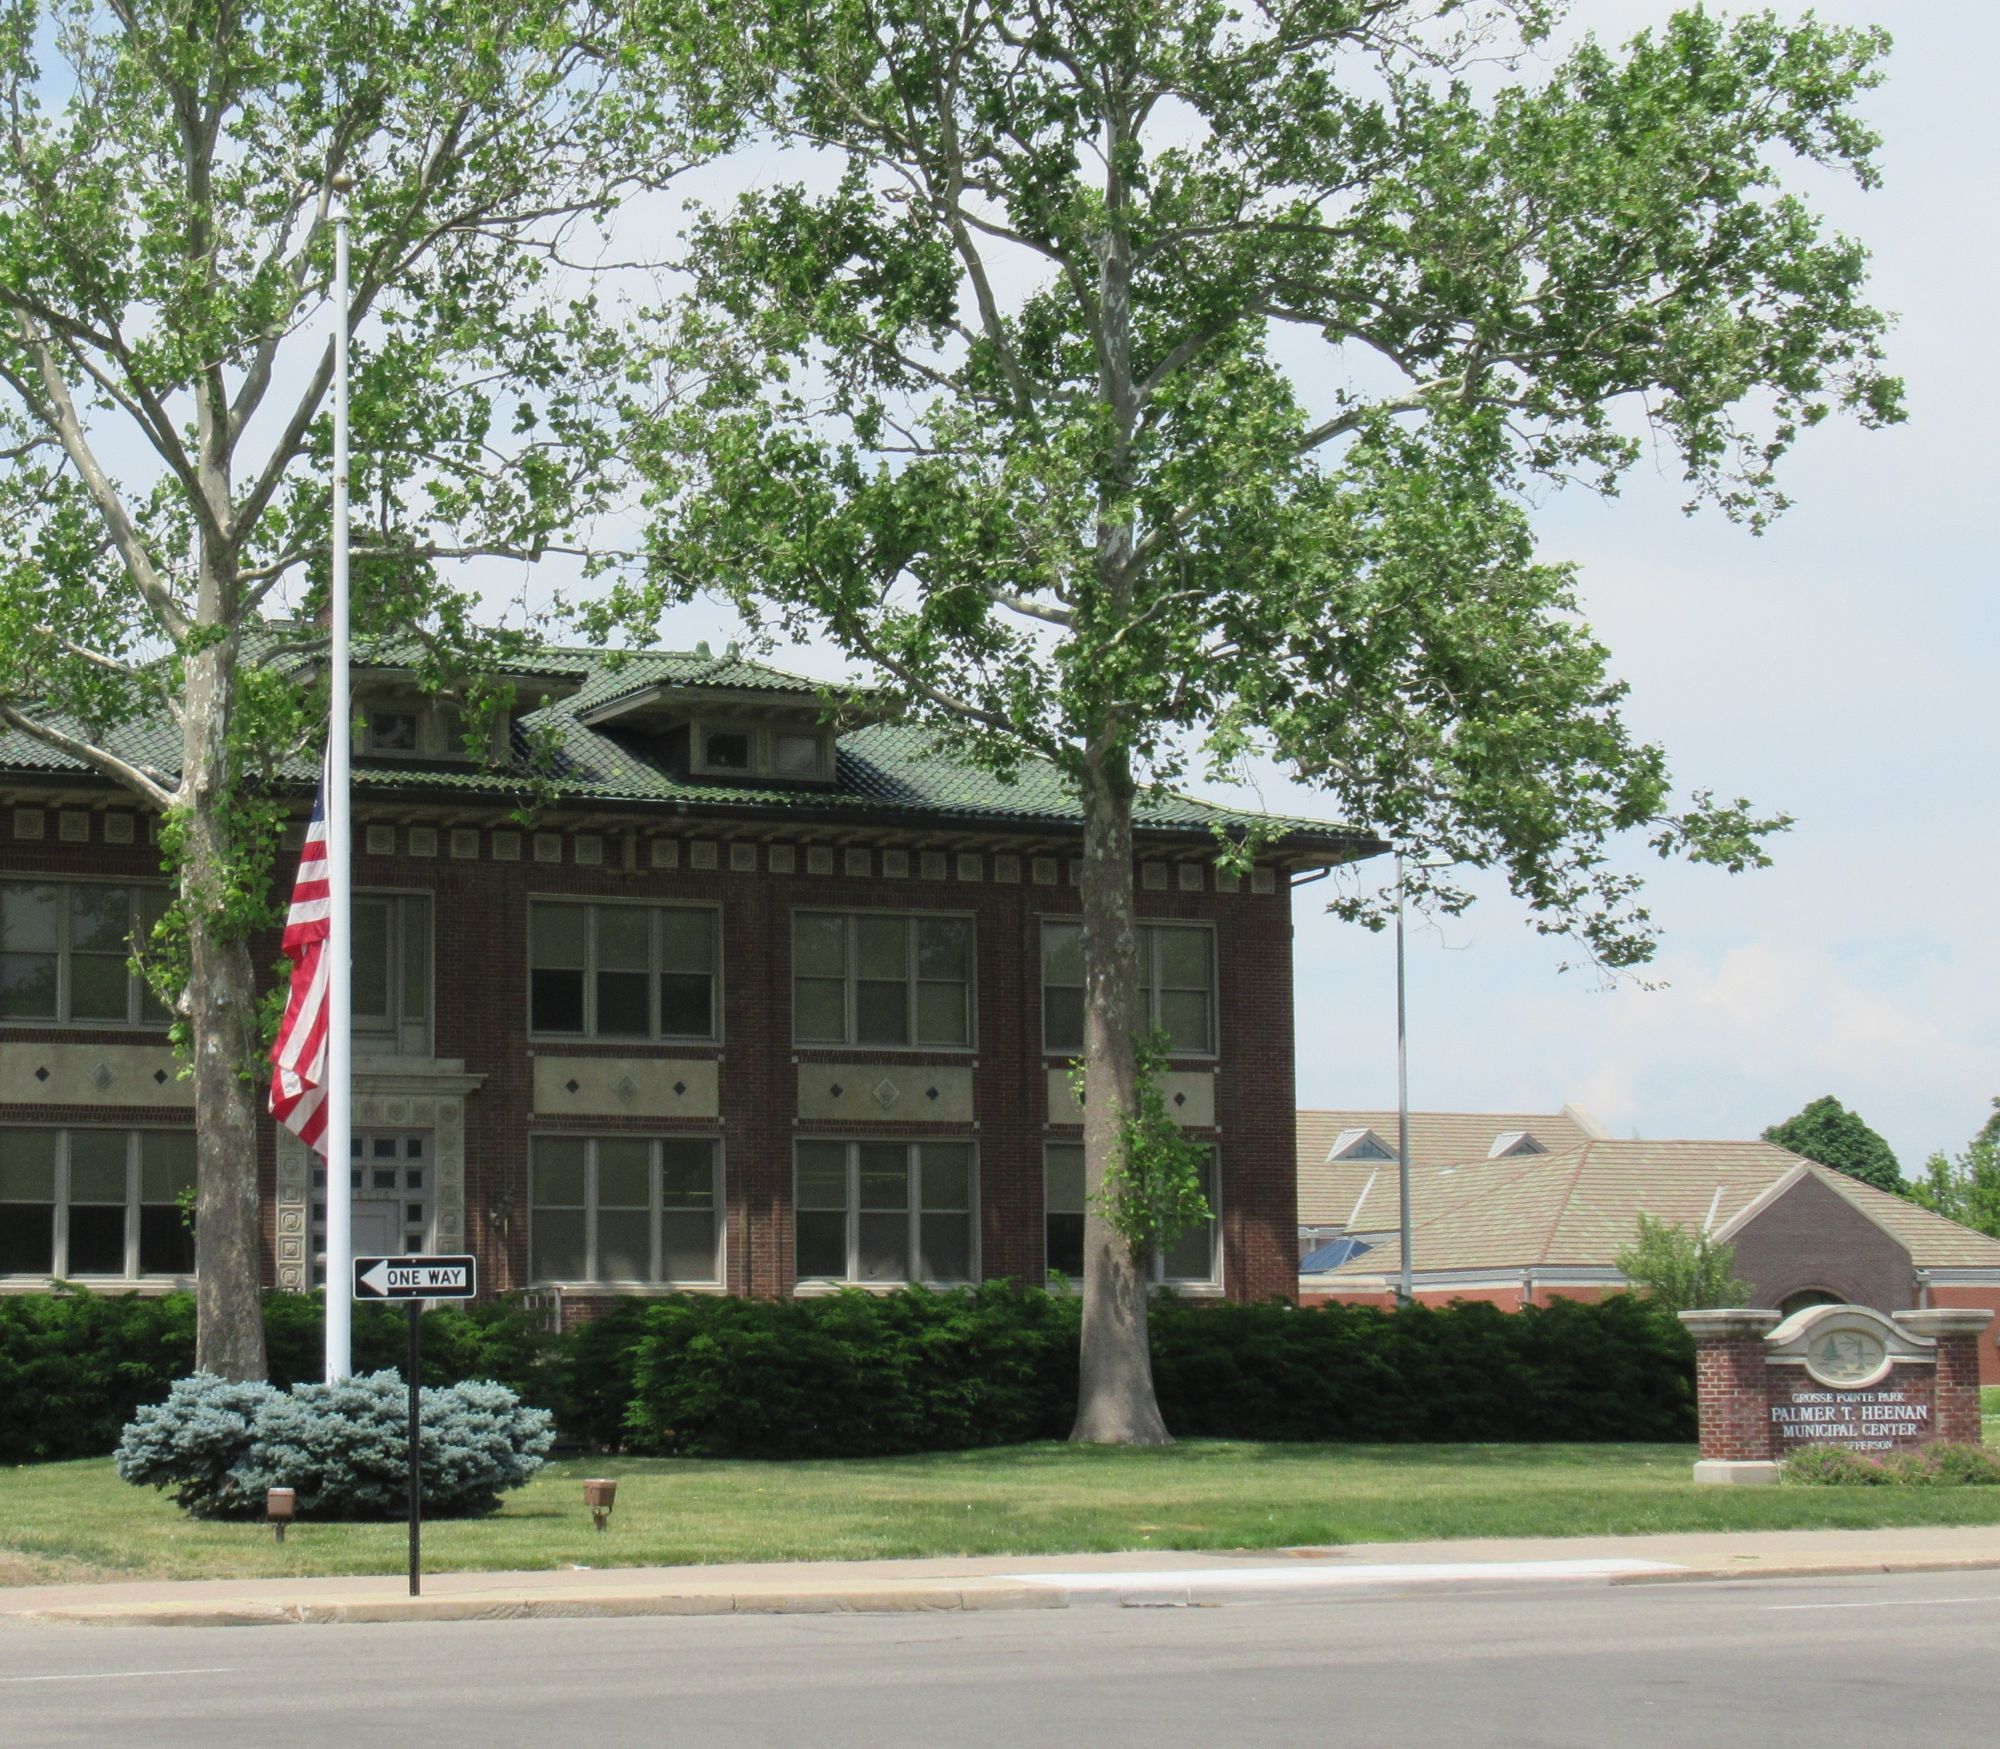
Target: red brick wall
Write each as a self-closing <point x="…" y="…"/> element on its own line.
<point x="1732" y="1398"/>
<point x="1987" y="1344"/>
<point x="1813" y="1237"/>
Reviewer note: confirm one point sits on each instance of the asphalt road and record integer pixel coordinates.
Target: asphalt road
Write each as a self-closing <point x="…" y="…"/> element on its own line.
<point x="1880" y="1660"/>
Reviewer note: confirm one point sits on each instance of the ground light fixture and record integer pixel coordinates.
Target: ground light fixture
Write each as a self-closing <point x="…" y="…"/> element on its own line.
<point x="279" y="1505"/>
<point x="600" y="1495"/>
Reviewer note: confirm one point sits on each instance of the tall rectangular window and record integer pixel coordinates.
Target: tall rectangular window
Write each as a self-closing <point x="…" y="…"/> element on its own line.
<point x="886" y="1212"/>
<point x="1193" y="1258"/>
<point x="881" y="980"/>
<point x="95" y="1204"/>
<point x="626" y="1209"/>
<point x="1176" y="979"/>
<point x="623" y="971"/>
<point x="392" y="973"/>
<point x="65" y="952"/>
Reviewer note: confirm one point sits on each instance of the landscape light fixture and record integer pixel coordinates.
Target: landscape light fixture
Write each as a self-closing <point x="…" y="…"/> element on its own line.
<point x="600" y="1495"/>
<point x="279" y="1505"/>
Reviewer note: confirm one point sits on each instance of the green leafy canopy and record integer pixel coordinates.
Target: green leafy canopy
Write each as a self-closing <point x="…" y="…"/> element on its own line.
<point x="1151" y="383"/>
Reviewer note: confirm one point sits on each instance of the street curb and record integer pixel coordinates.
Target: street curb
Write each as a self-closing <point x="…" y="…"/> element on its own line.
<point x="1814" y="1570"/>
<point x="403" y="1609"/>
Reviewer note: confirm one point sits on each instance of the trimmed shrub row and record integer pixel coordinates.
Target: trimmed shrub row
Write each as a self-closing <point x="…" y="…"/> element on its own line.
<point x="1941" y="1465"/>
<point x="856" y="1374"/>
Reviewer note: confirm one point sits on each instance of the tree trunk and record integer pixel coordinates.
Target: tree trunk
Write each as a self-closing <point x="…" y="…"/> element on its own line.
<point x="223" y="1024"/>
<point x="1115" y="1400"/>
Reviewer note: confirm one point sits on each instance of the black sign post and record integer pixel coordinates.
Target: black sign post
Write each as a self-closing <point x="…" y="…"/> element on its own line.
<point x="414" y="1280"/>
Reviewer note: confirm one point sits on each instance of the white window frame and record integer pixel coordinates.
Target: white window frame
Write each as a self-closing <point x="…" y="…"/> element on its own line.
<point x="653" y="1035"/>
<point x="850" y="1041"/>
<point x="1156" y="1265"/>
<point x="657" y="1279"/>
<point x="1149" y="983"/>
<point x="134" y="1203"/>
<point x="913" y="1147"/>
<point x="136" y="993"/>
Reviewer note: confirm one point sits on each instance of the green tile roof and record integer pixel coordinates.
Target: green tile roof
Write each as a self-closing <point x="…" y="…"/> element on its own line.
<point x="886" y="771"/>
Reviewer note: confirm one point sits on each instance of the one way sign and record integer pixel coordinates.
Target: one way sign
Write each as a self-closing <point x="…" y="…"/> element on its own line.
<point x="415" y="1278"/>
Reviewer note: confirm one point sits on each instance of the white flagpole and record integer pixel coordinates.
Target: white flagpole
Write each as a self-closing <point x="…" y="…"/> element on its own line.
<point x="339" y="842"/>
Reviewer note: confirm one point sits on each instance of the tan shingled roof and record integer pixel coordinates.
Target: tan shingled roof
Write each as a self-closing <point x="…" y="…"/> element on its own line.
<point x="1579" y="1209"/>
<point x="1356" y="1195"/>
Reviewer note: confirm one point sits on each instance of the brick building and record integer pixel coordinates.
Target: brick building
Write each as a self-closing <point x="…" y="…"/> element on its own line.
<point x="759" y="1003"/>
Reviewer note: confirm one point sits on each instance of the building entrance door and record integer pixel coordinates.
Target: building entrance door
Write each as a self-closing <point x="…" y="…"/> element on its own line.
<point x="389" y="1181"/>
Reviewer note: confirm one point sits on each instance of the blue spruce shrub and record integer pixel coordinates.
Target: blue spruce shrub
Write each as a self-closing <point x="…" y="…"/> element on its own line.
<point x="342" y="1447"/>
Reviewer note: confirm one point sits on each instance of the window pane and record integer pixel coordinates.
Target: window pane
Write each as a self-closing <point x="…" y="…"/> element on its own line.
<point x="881" y="1014"/>
<point x="27" y="1165"/>
<point x="687" y="1005"/>
<point x="687" y="941"/>
<point x="622" y="1010"/>
<point x="96" y="1240"/>
<point x="885" y="1175"/>
<point x="100" y="919"/>
<point x="822" y="1175"/>
<point x="881" y="947"/>
<point x="558" y="1172"/>
<point x="556" y="934"/>
<point x="416" y="959"/>
<point x="624" y="1245"/>
<point x="556" y="1001"/>
<point x="1062" y="953"/>
<point x="822" y="1010"/>
<point x="1183" y="958"/>
<point x="392" y="732"/>
<point x="947" y="1248"/>
<point x="166" y="1246"/>
<point x="819" y="946"/>
<point x="1065" y="1242"/>
<point x="27" y="1238"/>
<point x="27" y="918"/>
<point x="687" y="1175"/>
<point x="687" y="1247"/>
<point x="1062" y="1020"/>
<point x="557" y="1249"/>
<point x="371" y="958"/>
<point x="1190" y="1257"/>
<point x="947" y="1175"/>
<point x="795" y="755"/>
<point x="624" y="1174"/>
<point x="97" y="1166"/>
<point x="624" y="938"/>
<point x="727" y="749"/>
<point x="822" y="1246"/>
<point x="885" y="1248"/>
<point x="1063" y="1176"/>
<point x="99" y="987"/>
<point x="152" y="906"/>
<point x="941" y="1016"/>
<point x="944" y="947"/>
<point x="166" y="1164"/>
<point x="1184" y="1015"/>
<point x="27" y="986"/>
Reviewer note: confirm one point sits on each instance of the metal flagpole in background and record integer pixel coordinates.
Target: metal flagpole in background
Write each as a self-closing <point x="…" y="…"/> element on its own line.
<point x="339" y="844"/>
<point x="1407" y="1290"/>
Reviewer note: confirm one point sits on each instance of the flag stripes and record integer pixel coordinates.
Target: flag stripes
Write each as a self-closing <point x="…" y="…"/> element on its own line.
<point x="298" y="1057"/>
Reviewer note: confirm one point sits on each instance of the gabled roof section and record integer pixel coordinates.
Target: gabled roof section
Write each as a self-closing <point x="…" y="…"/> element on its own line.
<point x="1360" y="1144"/>
<point x="887" y="773"/>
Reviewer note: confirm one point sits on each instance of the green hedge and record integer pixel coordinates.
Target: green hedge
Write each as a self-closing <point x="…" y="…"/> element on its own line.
<point x="856" y="1374"/>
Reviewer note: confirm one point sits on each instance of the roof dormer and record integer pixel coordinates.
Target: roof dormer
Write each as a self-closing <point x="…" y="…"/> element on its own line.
<point x="1360" y="1144"/>
<point x="1512" y="1144"/>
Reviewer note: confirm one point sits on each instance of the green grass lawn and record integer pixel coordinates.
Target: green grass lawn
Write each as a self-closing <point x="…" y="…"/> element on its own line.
<point x="77" y="1520"/>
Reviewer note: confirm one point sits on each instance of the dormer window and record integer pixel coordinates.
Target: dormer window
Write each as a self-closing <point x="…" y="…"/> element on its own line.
<point x="797" y="756"/>
<point x="1510" y="1144"/>
<point x="401" y="724"/>
<point x="1359" y="1145"/>
<point x="726" y="750"/>
<point x="761" y="750"/>
<point x="392" y="732"/>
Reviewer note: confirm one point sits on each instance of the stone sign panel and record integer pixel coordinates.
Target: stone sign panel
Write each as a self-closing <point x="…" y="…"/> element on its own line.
<point x="1769" y="1387"/>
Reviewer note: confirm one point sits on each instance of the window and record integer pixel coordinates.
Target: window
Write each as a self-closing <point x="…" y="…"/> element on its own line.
<point x="1176" y="974"/>
<point x="65" y="949"/>
<point x="392" y="972"/>
<point x="391" y="732"/>
<point x="726" y="749"/>
<point x="626" y="1209"/>
<point x="885" y="1211"/>
<point x="389" y="1208"/>
<point x="95" y="1203"/>
<point x="881" y="980"/>
<point x="622" y="971"/>
<point x="1192" y="1258"/>
<point x="795" y="754"/>
<point x="1359" y="1145"/>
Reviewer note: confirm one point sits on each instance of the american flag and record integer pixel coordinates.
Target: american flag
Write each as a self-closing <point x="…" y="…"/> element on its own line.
<point x="298" y="1058"/>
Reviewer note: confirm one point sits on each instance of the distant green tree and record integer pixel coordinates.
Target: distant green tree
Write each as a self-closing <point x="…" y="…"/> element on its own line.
<point x="1680" y="1269"/>
<point x="1989" y="1131"/>
<point x="1828" y="1132"/>
<point x="1967" y="1188"/>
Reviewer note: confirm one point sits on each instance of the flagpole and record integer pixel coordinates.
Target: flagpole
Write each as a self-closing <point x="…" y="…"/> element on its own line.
<point x="339" y="843"/>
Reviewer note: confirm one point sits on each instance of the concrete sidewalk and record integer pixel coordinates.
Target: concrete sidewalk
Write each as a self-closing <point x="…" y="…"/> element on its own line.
<point x="1138" y="1578"/>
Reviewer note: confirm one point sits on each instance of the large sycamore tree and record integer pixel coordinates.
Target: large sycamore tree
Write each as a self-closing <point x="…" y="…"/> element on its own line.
<point x="1143" y="384"/>
<point x="168" y="173"/>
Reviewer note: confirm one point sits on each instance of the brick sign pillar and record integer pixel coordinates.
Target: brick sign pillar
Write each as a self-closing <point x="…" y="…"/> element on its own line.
<point x="1732" y="1396"/>
<point x="1841" y="1376"/>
